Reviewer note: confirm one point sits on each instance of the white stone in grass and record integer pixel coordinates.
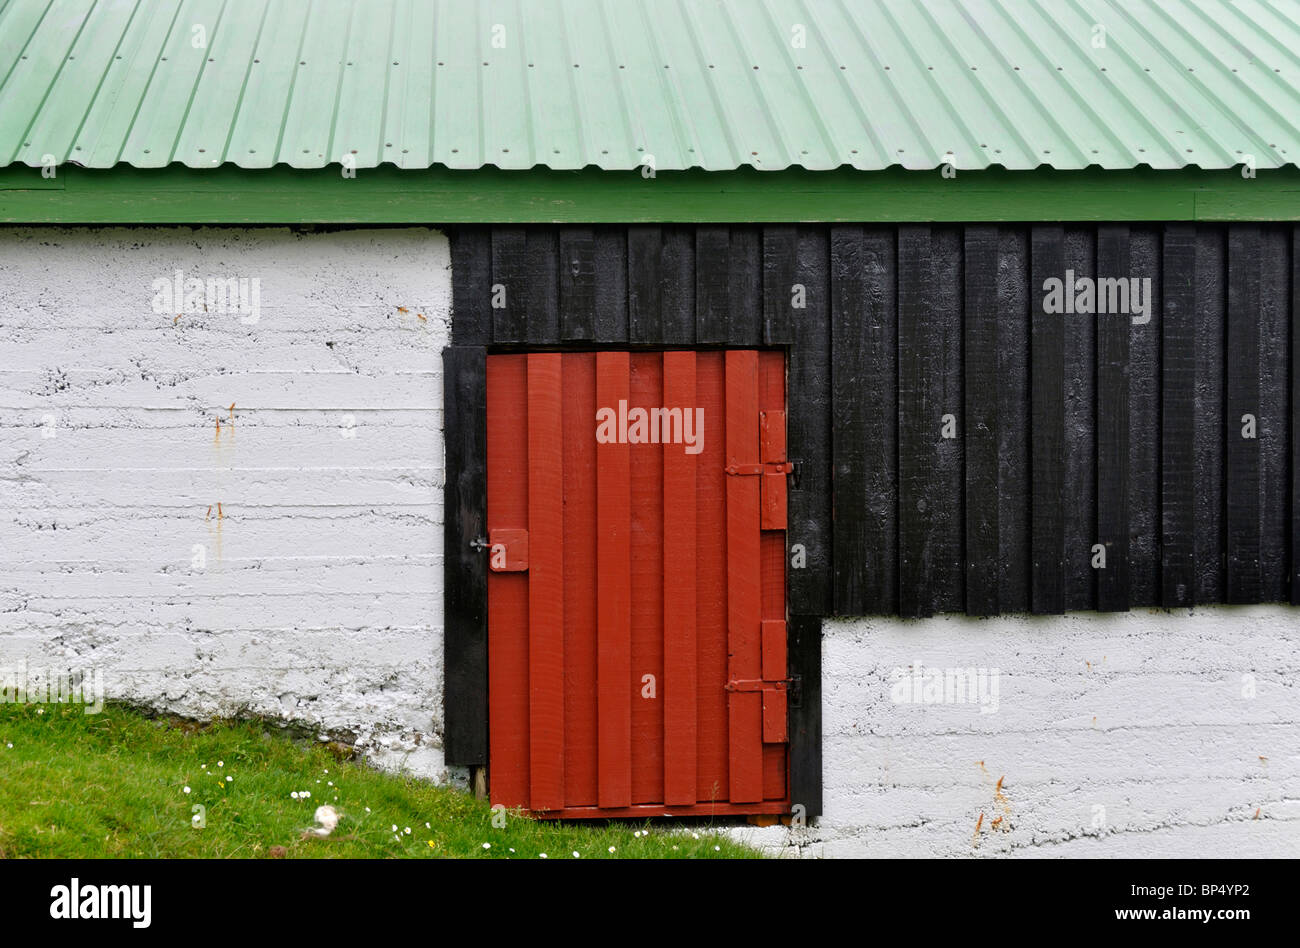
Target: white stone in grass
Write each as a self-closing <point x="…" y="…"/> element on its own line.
<point x="328" y="818"/>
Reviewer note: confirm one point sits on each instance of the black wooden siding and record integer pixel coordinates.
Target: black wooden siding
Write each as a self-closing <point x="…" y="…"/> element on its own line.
<point x="1072" y="430"/>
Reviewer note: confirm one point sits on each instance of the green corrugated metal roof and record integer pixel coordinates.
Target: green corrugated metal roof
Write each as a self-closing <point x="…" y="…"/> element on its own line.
<point x="714" y="84"/>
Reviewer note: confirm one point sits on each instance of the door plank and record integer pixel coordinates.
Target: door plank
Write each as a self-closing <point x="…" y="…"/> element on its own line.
<point x="614" y="612"/>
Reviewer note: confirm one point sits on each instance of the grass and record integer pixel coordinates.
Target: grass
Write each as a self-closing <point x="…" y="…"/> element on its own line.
<point x="111" y="785"/>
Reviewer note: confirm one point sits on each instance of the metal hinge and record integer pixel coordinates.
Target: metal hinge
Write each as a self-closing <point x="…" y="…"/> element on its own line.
<point x="782" y="467"/>
<point x="757" y="684"/>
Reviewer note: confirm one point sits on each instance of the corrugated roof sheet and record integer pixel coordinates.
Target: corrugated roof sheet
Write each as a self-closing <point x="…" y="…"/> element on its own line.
<point x="715" y="84"/>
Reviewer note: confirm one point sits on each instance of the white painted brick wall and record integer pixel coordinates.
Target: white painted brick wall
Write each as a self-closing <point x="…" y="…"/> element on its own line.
<point x="320" y="602"/>
<point x="1142" y="714"/>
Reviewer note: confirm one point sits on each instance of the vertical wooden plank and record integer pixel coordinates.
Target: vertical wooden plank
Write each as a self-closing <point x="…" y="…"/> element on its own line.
<point x="677" y="293"/>
<point x="711" y="565"/>
<point x="1047" y="372"/>
<point x="744" y="587"/>
<point x="1112" y="512"/>
<point x="1178" y="418"/>
<point x="772" y="635"/>
<point x="611" y="284"/>
<point x="465" y="709"/>
<point x="542" y="275"/>
<point x="805" y="649"/>
<point x="577" y="284"/>
<point x="614" y="610"/>
<point x="580" y="570"/>
<point x="948" y="422"/>
<point x="1274" y="428"/>
<point x="647" y="460"/>
<point x="781" y="293"/>
<point x="508" y="606"/>
<point x="1209" y="501"/>
<point x="918" y="429"/>
<point x="545" y="582"/>
<point x="745" y="287"/>
<point x="471" y="285"/>
<point x="644" y="268"/>
<point x="1015" y="542"/>
<point x="1144" y="423"/>
<point x="1294" y="573"/>
<point x="1243" y="486"/>
<point x="510" y="293"/>
<point x="808" y="530"/>
<point x="680" y="687"/>
<point x="1079" y="516"/>
<point x="712" y="284"/>
<point x="864" y="419"/>
<point x="981" y="394"/>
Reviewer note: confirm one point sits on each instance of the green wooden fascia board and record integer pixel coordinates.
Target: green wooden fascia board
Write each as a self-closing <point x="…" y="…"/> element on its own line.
<point x="386" y="195"/>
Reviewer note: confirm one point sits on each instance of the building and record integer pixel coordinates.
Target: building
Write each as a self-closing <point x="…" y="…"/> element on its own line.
<point x="1030" y="273"/>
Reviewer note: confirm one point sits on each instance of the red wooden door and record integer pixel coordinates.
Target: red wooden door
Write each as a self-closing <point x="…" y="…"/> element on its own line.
<point x="636" y="585"/>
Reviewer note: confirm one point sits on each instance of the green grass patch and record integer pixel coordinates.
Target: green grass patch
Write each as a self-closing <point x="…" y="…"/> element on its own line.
<point x="74" y="785"/>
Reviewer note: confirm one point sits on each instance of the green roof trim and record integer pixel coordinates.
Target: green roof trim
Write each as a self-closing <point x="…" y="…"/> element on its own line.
<point x="229" y="195"/>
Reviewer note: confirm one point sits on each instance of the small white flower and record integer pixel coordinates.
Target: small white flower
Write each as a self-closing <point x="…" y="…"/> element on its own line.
<point x="575" y="855"/>
<point x="611" y="849"/>
<point x="637" y="834"/>
<point x="293" y="794"/>
<point x="427" y="826"/>
<point x="674" y="847"/>
<point x="187" y="789"/>
<point x="487" y="845"/>
<point x="512" y="849"/>
<point x="305" y="793"/>
<point x="394" y="827"/>
<point x="407" y="831"/>
<point x="696" y="835"/>
<point x="541" y="855"/>
<point x="221" y="763"/>
<point x="367" y="809"/>
<point x="328" y="782"/>
<point x="717" y="849"/>
<point x="40" y="710"/>
<point x="204" y="766"/>
<point x="228" y="779"/>
<point x="327" y="771"/>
